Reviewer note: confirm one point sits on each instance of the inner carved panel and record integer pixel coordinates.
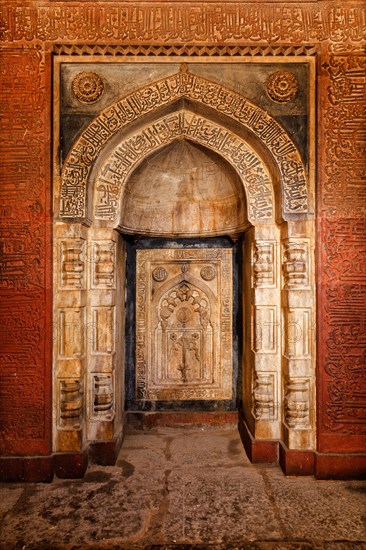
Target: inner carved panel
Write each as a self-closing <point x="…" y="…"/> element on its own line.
<point x="184" y="324"/>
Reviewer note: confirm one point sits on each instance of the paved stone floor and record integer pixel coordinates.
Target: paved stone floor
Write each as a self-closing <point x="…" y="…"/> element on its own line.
<point x="184" y="488"/>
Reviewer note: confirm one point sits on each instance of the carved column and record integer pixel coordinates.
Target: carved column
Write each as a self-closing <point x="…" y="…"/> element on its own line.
<point x="105" y="305"/>
<point x="299" y="326"/>
<point x="262" y="325"/>
<point x="70" y="279"/>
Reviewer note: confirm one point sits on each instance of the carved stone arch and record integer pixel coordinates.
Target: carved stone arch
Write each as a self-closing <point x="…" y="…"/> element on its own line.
<point x="180" y="293"/>
<point x="138" y="146"/>
<point x="179" y="279"/>
<point x="278" y="267"/>
<point x="80" y="160"/>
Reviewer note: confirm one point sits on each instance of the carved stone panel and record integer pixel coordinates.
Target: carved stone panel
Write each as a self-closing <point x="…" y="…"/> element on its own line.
<point x="184" y="324"/>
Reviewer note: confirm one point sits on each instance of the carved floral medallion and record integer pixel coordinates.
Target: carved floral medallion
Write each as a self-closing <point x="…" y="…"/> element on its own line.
<point x="282" y="86"/>
<point x="88" y="87"/>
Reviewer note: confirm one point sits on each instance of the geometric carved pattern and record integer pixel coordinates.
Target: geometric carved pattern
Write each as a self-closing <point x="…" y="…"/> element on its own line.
<point x="236" y="151"/>
<point x="147" y="100"/>
<point x="183" y="49"/>
<point x="183" y="325"/>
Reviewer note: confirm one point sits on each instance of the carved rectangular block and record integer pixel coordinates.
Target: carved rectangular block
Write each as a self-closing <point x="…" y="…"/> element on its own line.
<point x="70" y="332"/>
<point x="72" y="264"/>
<point x="101" y="330"/>
<point x="184" y="324"/>
<point x="297" y="403"/>
<point x="265" y="329"/>
<point x="102" y="396"/>
<point x="264" y="396"/>
<point x="296" y="263"/>
<point x="70" y="403"/>
<point x="298" y="327"/>
<point x="102" y="259"/>
<point x="264" y="264"/>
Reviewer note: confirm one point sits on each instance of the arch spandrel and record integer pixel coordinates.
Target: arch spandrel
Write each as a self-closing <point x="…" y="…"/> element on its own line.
<point x="79" y="163"/>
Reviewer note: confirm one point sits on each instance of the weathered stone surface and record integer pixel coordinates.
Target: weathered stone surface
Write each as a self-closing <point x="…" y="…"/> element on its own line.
<point x="184" y="488"/>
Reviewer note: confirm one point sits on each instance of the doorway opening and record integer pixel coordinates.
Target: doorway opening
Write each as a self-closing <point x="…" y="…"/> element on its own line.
<point x="192" y="345"/>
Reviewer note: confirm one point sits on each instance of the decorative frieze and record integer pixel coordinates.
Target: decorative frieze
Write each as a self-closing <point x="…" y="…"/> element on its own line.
<point x="297" y="403"/>
<point x="151" y="50"/>
<point x="264" y="264"/>
<point x="70" y="403"/>
<point x="173" y="24"/>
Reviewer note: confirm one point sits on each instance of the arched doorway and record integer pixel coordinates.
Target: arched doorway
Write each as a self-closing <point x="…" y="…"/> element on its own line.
<point x="242" y="177"/>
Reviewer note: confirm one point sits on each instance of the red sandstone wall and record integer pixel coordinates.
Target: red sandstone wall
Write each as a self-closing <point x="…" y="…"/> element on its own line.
<point x="25" y="274"/>
<point x="28" y="31"/>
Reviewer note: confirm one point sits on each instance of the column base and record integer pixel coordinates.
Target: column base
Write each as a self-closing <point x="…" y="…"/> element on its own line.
<point x="106" y="453"/>
<point x="258" y="450"/>
<point x="296" y="462"/>
<point x="71" y="465"/>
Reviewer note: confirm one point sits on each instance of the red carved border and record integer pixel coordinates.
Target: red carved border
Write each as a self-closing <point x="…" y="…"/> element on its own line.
<point x="25" y="278"/>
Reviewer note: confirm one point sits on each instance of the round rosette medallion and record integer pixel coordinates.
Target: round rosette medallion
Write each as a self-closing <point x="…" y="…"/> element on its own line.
<point x="88" y="87"/>
<point x="208" y="273"/>
<point x="282" y="86"/>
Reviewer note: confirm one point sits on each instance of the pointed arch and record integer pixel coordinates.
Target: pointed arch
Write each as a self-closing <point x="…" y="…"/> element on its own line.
<point x="129" y="154"/>
<point x="80" y="160"/>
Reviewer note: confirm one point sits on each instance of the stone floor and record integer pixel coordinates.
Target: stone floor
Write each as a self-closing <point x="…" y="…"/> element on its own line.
<point x="184" y="488"/>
